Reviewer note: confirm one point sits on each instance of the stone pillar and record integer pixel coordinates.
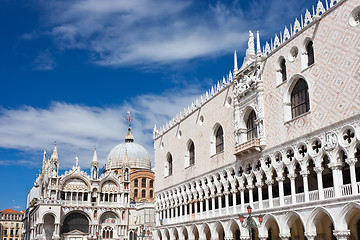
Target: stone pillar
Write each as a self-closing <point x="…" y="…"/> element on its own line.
<point x="242" y="198"/>
<point x="227" y="202"/>
<point x="259" y="187"/>
<point x="305" y="174"/>
<point x="352" y="162"/>
<point x="342" y="234"/>
<point x="251" y="197"/>
<point x="213" y="205"/>
<point x="337" y="177"/>
<point x="234" y="200"/>
<point x="219" y="202"/>
<point x="319" y="171"/>
<point x="196" y="207"/>
<point x="181" y="211"/>
<point x="269" y="183"/>
<point x="281" y="189"/>
<point x="293" y="188"/>
<point x="207" y="206"/>
<point x="201" y="207"/>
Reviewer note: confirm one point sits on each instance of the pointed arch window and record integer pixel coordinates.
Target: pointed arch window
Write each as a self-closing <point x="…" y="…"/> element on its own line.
<point x="192" y="153"/>
<point x="310" y="53"/>
<point x="300" y="98"/>
<point x="283" y="69"/>
<point x="219" y="140"/>
<point x="143" y="193"/>
<point x="251" y="127"/>
<point x="170" y="165"/>
<point x="135" y="193"/>
<point x="143" y="182"/>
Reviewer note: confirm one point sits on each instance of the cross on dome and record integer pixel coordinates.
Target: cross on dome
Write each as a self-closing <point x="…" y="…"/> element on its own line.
<point x="129" y="137"/>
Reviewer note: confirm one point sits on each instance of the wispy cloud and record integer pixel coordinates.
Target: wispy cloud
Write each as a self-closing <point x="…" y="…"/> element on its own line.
<point x="77" y="129"/>
<point x="143" y="32"/>
<point x="44" y="61"/>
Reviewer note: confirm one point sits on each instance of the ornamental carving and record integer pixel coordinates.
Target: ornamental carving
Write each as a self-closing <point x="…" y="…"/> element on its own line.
<point x="330" y="141"/>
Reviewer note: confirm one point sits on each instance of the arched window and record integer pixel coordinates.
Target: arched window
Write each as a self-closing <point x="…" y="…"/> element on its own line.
<point x="151" y="184"/>
<point x="300" y="98"/>
<point x="283" y="69"/>
<point x="191" y="153"/>
<point x="135" y="193"/>
<point x="219" y="140"/>
<point x="143" y="182"/>
<point x="310" y="53"/>
<point x="136" y="183"/>
<point x="75" y="221"/>
<point x="251" y="126"/>
<point x="170" y="164"/>
<point x="143" y="193"/>
<point x="151" y="194"/>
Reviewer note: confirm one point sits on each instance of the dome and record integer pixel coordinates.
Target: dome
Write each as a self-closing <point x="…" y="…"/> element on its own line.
<point x="129" y="154"/>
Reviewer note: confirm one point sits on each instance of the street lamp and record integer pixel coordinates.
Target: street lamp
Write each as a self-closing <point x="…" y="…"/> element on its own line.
<point x="143" y="232"/>
<point x="249" y="221"/>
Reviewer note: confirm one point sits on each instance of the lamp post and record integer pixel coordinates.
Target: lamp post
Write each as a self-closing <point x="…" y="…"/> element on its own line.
<point x="249" y="221"/>
<point x="143" y="232"/>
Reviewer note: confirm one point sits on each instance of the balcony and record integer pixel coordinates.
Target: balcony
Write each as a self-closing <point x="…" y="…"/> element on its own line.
<point x="252" y="145"/>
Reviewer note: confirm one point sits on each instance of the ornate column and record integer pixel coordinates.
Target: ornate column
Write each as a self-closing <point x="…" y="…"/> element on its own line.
<point x="201" y="207"/>
<point x="259" y="187"/>
<point x="293" y="188"/>
<point x="319" y="171"/>
<point x="207" y="206"/>
<point x="226" y="202"/>
<point x="305" y="174"/>
<point x="337" y="177"/>
<point x="341" y="235"/>
<point x="281" y="189"/>
<point x="352" y="162"/>
<point x="242" y="198"/>
<point x="269" y="183"/>
<point x="181" y="211"/>
<point x="219" y="201"/>
<point x="213" y="204"/>
<point x="251" y="197"/>
<point x="234" y="200"/>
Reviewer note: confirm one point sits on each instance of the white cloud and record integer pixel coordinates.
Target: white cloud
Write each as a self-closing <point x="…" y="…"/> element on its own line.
<point x="77" y="129"/>
<point x="145" y="32"/>
<point x="44" y="61"/>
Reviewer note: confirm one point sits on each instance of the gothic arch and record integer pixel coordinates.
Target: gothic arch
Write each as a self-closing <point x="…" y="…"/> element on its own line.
<point x="77" y="176"/>
<point x="289" y="219"/>
<point x="231" y="227"/>
<point x="204" y="231"/>
<point x="49" y="212"/>
<point x="75" y="211"/>
<point x="109" y="178"/>
<point x="287" y="94"/>
<point x="263" y="230"/>
<point x="313" y="218"/>
<point x="346" y="213"/>
<point x="213" y="138"/>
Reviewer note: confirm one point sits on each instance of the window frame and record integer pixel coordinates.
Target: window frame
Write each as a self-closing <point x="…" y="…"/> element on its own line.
<point x="143" y="182"/>
<point x="251" y="126"/>
<point x="299" y="98"/>
<point x="219" y="140"/>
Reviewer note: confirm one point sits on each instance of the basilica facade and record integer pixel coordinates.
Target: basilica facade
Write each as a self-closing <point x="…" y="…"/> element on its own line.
<point x="280" y="135"/>
<point x="117" y="203"/>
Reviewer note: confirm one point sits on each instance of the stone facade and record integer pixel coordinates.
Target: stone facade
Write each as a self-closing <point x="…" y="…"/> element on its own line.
<point x="289" y="144"/>
<point x="76" y="205"/>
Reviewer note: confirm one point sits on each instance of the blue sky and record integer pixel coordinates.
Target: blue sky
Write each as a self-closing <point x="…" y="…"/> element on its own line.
<point x="71" y="69"/>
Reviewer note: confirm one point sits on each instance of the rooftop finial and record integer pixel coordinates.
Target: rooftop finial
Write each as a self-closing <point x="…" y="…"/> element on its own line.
<point x="77" y="161"/>
<point x="129" y="137"/>
<point x="95" y="156"/>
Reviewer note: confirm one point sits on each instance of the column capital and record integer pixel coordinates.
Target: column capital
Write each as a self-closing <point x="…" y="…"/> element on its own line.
<point x="259" y="185"/>
<point x="341" y="234"/>
<point x="336" y="165"/>
<point x="280" y="179"/>
<point x="250" y="187"/>
<point x="351" y="161"/>
<point x="304" y="173"/>
<point x="269" y="182"/>
<point x="318" y="169"/>
<point x="292" y="176"/>
<point x="285" y="236"/>
<point x="310" y="236"/>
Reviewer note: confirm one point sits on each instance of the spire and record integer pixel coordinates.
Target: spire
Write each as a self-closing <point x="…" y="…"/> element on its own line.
<point x="44" y="162"/>
<point x="77" y="161"/>
<point x="258" y="48"/>
<point x="129" y="137"/>
<point x="95" y="160"/>
<point x="54" y="155"/>
<point x="235" y="62"/>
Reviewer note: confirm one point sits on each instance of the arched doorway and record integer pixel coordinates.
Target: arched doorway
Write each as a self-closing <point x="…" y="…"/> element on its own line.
<point x="49" y="226"/>
<point x="296" y="228"/>
<point x="75" y="221"/>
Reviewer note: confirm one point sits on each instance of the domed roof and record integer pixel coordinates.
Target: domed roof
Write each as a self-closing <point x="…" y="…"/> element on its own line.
<point x="129" y="154"/>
